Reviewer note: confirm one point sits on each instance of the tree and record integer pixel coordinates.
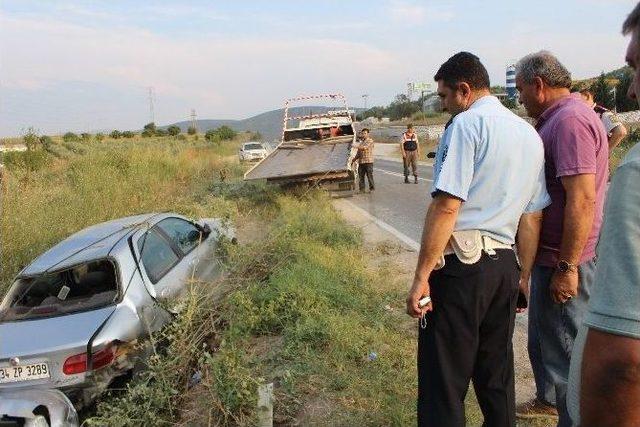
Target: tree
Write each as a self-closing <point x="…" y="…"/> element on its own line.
<point x="128" y="134"/>
<point x="173" y="130"/>
<point x="510" y="103"/>
<point x="602" y="92"/>
<point x="31" y="139"/>
<point x="46" y="141"/>
<point x="147" y="133"/>
<point x="192" y="130"/>
<point x="150" y="127"/>
<point x="623" y="102"/>
<point x="212" y="136"/>
<point x="226" y="133"/>
<point x="115" y="134"/>
<point x="69" y="137"/>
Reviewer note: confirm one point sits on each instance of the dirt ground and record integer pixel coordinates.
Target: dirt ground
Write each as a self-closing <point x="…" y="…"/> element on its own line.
<point x="387" y="250"/>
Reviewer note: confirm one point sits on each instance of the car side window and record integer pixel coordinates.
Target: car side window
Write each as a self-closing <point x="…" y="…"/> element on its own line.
<point x="183" y="234"/>
<point x="157" y="255"/>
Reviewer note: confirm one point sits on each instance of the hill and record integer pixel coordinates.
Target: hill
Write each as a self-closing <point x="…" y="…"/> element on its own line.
<point x="269" y="124"/>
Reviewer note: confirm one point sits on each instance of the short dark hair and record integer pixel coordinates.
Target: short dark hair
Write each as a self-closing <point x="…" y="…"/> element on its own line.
<point x="463" y="67"/>
<point x="365" y="130"/>
<point x="632" y="22"/>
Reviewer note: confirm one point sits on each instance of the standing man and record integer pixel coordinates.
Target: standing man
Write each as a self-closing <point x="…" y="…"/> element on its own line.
<point x="365" y="160"/>
<point x="612" y="125"/>
<point x="488" y="183"/>
<point x="604" y="382"/>
<point x="410" y="153"/>
<point x="576" y="165"/>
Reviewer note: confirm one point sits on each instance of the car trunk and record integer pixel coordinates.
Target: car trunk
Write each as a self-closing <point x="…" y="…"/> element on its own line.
<point x="50" y="335"/>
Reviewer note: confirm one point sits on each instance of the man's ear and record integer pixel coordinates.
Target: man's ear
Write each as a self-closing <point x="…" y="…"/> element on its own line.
<point x="464" y="89"/>
<point x="538" y="83"/>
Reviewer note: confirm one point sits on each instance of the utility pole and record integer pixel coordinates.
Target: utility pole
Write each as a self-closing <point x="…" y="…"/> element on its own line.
<point x="193" y="120"/>
<point x="151" y="95"/>
<point x="365" y="97"/>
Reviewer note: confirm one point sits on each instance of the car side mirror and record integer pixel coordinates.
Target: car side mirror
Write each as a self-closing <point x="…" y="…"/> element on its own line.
<point x="431" y="155"/>
<point x="194" y="235"/>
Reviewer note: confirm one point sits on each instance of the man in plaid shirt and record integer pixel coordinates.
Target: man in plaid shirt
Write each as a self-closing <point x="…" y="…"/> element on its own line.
<point x="365" y="160"/>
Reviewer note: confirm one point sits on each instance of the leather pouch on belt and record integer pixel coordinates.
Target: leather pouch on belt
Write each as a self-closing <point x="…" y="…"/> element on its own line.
<point x="467" y="245"/>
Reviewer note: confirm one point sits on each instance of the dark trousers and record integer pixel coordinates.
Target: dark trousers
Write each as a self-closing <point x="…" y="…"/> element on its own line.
<point x="365" y="169"/>
<point x="468" y="336"/>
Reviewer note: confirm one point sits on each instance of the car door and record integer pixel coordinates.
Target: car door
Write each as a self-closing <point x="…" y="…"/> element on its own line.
<point x="193" y="243"/>
<point x="161" y="264"/>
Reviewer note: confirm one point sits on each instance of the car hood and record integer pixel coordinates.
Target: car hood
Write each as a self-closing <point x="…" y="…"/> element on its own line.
<point x="40" y="336"/>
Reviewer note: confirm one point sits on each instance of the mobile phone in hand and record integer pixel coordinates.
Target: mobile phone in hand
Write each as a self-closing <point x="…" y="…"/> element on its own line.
<point x="522" y="300"/>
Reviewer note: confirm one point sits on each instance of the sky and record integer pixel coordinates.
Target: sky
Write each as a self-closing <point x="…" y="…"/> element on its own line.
<point x="88" y="65"/>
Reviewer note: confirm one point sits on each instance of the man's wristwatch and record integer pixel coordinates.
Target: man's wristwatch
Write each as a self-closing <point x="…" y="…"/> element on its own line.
<point x="566" y="267"/>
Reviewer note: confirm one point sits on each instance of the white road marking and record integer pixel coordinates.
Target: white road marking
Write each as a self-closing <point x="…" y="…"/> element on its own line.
<point x="380" y="223"/>
<point x="399" y="174"/>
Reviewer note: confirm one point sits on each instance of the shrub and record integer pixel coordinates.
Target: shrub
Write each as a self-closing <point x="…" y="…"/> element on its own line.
<point x="150" y="128"/>
<point x="226" y="133"/>
<point x="46" y="141"/>
<point x="128" y="134"/>
<point x="212" y="136"/>
<point x="147" y="133"/>
<point x="85" y="136"/>
<point x="115" y="134"/>
<point x="70" y="137"/>
<point x="161" y="132"/>
<point x="31" y="139"/>
<point x="173" y="130"/>
<point x="192" y="130"/>
<point x="99" y="136"/>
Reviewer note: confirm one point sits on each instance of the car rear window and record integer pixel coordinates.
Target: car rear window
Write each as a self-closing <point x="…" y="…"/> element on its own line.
<point x="253" y="147"/>
<point x="84" y="287"/>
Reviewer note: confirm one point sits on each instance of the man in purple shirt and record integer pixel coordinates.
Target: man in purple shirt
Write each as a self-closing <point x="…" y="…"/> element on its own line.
<point x="576" y="169"/>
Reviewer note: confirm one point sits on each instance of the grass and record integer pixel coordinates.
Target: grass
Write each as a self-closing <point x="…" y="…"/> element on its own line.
<point x="298" y="307"/>
<point x="48" y="195"/>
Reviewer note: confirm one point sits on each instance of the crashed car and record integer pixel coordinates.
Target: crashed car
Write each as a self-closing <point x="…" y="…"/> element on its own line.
<point x="75" y="318"/>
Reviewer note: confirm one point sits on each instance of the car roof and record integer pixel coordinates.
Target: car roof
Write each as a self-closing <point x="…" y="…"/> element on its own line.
<point x="94" y="242"/>
<point x="252" y="142"/>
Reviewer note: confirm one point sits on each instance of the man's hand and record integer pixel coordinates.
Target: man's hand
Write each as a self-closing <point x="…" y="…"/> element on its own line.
<point x="419" y="290"/>
<point x="404" y="155"/>
<point x="564" y="286"/>
<point x="523" y="287"/>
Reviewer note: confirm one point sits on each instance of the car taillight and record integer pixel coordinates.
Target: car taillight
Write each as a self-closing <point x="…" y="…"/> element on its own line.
<point x="78" y="363"/>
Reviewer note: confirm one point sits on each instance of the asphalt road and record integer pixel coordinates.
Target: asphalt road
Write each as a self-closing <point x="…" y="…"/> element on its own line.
<point x="402" y="206"/>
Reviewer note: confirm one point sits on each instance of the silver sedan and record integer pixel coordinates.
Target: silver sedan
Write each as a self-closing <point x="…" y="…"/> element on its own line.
<point x="72" y="318"/>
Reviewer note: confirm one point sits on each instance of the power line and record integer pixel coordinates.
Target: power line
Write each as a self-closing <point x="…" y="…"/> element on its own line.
<point x="193" y="120"/>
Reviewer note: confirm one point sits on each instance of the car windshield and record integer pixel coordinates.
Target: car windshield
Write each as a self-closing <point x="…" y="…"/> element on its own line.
<point x="253" y="147"/>
<point x="84" y="287"/>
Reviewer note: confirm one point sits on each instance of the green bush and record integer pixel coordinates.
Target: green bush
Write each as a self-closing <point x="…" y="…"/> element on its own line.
<point x="115" y="134"/>
<point x="99" y="136"/>
<point x="161" y="132"/>
<point x="128" y="134"/>
<point x="173" y="130"/>
<point x="147" y="133"/>
<point x="192" y="130"/>
<point x="31" y="139"/>
<point x="70" y="137"/>
<point x="226" y="133"/>
<point x="212" y="136"/>
<point x="46" y="141"/>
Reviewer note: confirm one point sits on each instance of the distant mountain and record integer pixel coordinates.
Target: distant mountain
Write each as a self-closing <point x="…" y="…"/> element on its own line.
<point x="269" y="124"/>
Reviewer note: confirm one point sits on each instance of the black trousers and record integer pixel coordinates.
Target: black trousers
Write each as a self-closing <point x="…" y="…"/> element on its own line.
<point x="468" y="336"/>
<point x="365" y="169"/>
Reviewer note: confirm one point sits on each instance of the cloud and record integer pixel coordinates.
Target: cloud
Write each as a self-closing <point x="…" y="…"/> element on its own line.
<point x="413" y="14"/>
<point x="218" y="76"/>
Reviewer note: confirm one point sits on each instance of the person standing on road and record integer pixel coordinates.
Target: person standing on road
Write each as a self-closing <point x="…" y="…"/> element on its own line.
<point x="604" y="378"/>
<point x="612" y="125"/>
<point x="576" y="155"/>
<point x="488" y="183"/>
<point x="365" y="160"/>
<point x="410" y="153"/>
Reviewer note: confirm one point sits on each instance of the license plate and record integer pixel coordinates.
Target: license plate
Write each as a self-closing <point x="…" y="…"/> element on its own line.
<point x="12" y="374"/>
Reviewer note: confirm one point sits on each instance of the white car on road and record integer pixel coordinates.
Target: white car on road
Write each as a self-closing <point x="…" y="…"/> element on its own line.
<point x="252" y="151"/>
